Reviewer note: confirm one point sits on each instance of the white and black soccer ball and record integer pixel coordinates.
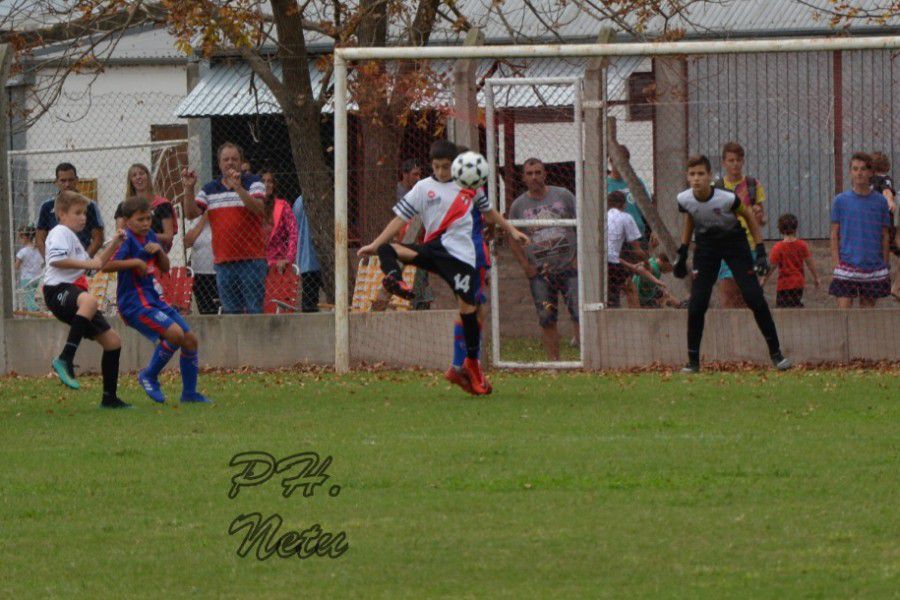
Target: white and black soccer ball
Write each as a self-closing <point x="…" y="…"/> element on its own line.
<point x="470" y="170"/>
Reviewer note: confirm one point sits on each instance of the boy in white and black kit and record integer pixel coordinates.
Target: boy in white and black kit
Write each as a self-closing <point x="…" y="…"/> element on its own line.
<point x="712" y="214"/>
<point x="66" y="295"/>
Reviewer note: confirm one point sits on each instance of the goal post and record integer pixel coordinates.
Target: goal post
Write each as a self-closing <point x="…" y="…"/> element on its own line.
<point x="682" y="121"/>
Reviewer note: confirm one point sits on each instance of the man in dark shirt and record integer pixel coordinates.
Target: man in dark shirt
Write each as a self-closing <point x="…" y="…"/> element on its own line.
<point x="91" y="237"/>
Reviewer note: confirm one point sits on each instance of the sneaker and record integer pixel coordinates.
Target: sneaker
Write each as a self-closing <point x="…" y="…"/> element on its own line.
<point x="195" y="398"/>
<point x="114" y="402"/>
<point x="690" y="369"/>
<point x="479" y="383"/>
<point x="395" y="285"/>
<point x="781" y="363"/>
<point x="66" y="372"/>
<point x="457" y="376"/>
<point x="151" y="387"/>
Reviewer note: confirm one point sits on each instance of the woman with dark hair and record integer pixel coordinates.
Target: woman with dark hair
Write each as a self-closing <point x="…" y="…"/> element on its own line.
<point x="281" y="224"/>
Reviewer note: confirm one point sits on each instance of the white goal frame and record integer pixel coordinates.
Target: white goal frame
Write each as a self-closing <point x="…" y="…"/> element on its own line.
<point x="344" y="55"/>
<point x="499" y="202"/>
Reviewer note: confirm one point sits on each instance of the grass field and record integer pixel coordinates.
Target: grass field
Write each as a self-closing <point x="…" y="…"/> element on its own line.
<point x="755" y="484"/>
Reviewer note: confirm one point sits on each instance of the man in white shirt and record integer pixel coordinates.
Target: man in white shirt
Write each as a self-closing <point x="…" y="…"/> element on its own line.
<point x="621" y="229"/>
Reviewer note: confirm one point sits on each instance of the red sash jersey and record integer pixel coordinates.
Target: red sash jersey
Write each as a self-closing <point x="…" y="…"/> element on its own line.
<point x="237" y="233"/>
<point x="450" y="214"/>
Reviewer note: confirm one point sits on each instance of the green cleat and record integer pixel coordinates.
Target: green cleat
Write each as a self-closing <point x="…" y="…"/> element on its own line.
<point x="65" y="372"/>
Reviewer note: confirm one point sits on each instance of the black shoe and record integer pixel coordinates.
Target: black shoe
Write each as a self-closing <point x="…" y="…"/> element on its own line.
<point x="690" y="368"/>
<point x="113" y="402"/>
<point x="781" y="363"/>
<point x="395" y="285"/>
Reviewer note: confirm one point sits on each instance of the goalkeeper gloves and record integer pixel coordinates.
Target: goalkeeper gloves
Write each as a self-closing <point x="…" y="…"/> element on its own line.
<point x="679" y="269"/>
<point x="761" y="264"/>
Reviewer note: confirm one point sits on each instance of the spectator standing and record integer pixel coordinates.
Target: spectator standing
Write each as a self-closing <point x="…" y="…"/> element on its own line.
<point x="752" y="195"/>
<point x="550" y="259"/>
<point x="621" y="233"/>
<point x="615" y="182"/>
<point x="307" y="261"/>
<point x="29" y="264"/>
<point x="236" y="206"/>
<point x="163" y="223"/>
<point x="882" y="182"/>
<point x="281" y="248"/>
<point x="91" y="237"/>
<point x="410" y="174"/>
<point x="860" y="222"/>
<point x="788" y="256"/>
<point x="199" y="239"/>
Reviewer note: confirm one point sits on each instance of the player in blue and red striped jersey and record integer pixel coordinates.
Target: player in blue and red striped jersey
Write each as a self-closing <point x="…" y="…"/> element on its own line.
<point x="453" y="240"/>
<point x="141" y="306"/>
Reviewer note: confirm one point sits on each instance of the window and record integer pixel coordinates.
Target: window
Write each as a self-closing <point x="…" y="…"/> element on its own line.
<point x="640" y="96"/>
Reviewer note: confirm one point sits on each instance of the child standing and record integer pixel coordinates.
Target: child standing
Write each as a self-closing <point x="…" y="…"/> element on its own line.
<point x="142" y="308"/>
<point x="66" y="295"/>
<point x="29" y="264"/>
<point x="788" y="256"/>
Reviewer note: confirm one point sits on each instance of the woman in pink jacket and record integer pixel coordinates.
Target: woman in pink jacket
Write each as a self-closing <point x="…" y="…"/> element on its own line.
<point x="282" y="245"/>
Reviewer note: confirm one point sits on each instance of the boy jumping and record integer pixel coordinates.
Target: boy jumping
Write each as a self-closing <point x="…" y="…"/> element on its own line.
<point x="450" y="249"/>
<point x="713" y="214"/>
<point x="142" y="308"/>
<point x="66" y="295"/>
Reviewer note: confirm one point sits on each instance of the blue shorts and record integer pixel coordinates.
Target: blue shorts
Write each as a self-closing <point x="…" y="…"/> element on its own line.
<point x="725" y="272"/>
<point x="152" y="322"/>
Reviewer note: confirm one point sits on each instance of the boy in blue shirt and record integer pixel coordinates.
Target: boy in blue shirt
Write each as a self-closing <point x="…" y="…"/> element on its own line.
<point x="141" y="307"/>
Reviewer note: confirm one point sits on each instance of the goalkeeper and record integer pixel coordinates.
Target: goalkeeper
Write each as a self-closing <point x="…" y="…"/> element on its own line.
<point x="711" y="214"/>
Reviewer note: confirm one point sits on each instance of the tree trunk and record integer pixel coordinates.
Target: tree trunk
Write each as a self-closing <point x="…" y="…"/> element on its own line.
<point x="378" y="180"/>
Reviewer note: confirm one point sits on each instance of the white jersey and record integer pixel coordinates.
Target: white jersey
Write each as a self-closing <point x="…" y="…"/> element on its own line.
<point x="446" y="210"/>
<point x="621" y="228"/>
<point x="32" y="263"/>
<point x="62" y="243"/>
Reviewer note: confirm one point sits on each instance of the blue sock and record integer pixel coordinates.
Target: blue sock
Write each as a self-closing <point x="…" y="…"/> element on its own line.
<point x="459" y="345"/>
<point x="190" y="367"/>
<point x="161" y="355"/>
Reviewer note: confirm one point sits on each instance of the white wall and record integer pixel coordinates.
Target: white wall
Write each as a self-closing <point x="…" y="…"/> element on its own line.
<point x="117" y="107"/>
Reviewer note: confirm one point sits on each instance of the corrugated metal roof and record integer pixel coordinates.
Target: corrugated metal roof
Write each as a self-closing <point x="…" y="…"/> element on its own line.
<point x="225" y="89"/>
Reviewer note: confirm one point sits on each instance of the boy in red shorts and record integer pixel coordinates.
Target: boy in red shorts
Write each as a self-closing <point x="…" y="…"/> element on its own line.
<point x="788" y="256"/>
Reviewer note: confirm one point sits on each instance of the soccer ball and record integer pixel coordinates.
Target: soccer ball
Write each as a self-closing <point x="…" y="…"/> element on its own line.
<point x="470" y="170"/>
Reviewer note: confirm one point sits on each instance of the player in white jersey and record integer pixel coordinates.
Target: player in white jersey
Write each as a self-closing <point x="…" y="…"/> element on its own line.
<point x="453" y="246"/>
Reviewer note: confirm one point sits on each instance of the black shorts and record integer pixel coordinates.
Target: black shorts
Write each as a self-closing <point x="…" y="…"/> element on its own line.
<point x="62" y="300"/>
<point x="792" y="298"/>
<point x="465" y="281"/>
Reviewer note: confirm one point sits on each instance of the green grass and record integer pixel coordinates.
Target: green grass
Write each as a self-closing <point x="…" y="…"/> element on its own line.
<point x="756" y="485"/>
<point x="524" y="349"/>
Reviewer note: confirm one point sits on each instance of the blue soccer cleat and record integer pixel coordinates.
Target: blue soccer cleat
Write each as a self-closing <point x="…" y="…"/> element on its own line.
<point x="65" y="372"/>
<point x="151" y="387"/>
<point x="195" y="398"/>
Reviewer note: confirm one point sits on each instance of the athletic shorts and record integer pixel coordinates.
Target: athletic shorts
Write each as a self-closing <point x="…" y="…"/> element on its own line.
<point x="465" y="281"/>
<point x="850" y="282"/>
<point x="545" y="290"/>
<point x="725" y="271"/>
<point x="789" y="298"/>
<point x="152" y="322"/>
<point x="62" y="300"/>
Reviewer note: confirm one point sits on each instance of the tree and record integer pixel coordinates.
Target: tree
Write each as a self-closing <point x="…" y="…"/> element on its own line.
<point x="261" y="32"/>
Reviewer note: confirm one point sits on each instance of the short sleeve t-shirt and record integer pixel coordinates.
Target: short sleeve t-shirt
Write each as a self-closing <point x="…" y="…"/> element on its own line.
<point x="631" y="207"/>
<point x="62" y="243"/>
<point x="646" y="288"/>
<point x="862" y="220"/>
<point x="448" y="214"/>
<point x="237" y="232"/>
<point x="789" y="258"/>
<point x="201" y="252"/>
<point x="714" y="218"/>
<point x="47" y="220"/>
<point x="32" y="261"/>
<point x="551" y="249"/>
<point x="741" y="189"/>
<point x="620" y="229"/>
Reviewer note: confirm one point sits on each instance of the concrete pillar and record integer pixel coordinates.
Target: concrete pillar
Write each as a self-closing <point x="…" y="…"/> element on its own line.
<point x="6" y="234"/>
<point x="594" y="202"/>
<point x="670" y="147"/>
<point x="463" y="128"/>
